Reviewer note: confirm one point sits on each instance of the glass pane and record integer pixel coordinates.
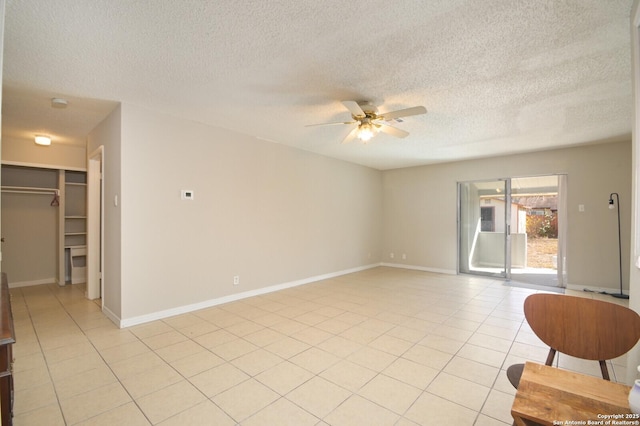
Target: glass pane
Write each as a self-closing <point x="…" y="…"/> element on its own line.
<point x="482" y="228"/>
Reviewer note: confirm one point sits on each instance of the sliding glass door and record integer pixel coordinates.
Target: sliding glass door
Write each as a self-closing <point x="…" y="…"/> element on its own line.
<point x="484" y="222"/>
<point x="514" y="228"/>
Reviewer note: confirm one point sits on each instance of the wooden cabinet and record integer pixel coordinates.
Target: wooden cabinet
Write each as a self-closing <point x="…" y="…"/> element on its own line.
<point x="7" y="339"/>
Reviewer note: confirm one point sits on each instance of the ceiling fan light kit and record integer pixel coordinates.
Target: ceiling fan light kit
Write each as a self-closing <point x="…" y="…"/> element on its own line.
<point x="370" y="123"/>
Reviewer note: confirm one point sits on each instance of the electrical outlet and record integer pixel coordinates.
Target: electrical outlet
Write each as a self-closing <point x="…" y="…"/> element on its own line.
<point x="236" y="279"/>
<point x="391" y="255"/>
<point x="404" y="256"/>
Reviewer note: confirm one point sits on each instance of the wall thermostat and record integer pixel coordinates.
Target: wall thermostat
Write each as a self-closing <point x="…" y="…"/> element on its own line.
<point x="187" y="194"/>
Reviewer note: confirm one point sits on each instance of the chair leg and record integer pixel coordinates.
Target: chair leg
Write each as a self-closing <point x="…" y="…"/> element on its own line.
<point x="552" y="354"/>
<point x="605" y="371"/>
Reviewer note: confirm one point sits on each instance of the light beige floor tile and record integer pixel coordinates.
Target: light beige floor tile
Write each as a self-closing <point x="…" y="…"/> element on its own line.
<point x="128" y="414"/>
<point x="126" y="350"/>
<point x="315" y="360"/>
<point x="426" y="356"/>
<point x="136" y="364"/>
<point x="359" y="411"/>
<point x="34" y="398"/>
<point x="287" y="347"/>
<point x="218" y="379"/>
<point x="150" y="380"/>
<point x="460" y="391"/>
<point x="63" y="353"/>
<point x="482" y="355"/>
<point x="390" y="393"/>
<point x="371" y="358"/>
<point x="26" y="379"/>
<point x="205" y="413"/>
<point x="284" y="377"/>
<point x="74" y="366"/>
<point x="169" y="401"/>
<point x="93" y="403"/>
<point x="29" y="362"/>
<point x="215" y="338"/>
<point x="476" y="372"/>
<point x="339" y="346"/>
<point x="198" y="329"/>
<point x="49" y="415"/>
<point x="164" y="339"/>
<point x="412" y="373"/>
<point x="498" y="406"/>
<point x="256" y="362"/>
<point x="378" y="314"/>
<point x="150" y="329"/>
<point x="245" y="399"/>
<point x="452" y="332"/>
<point x="361" y="334"/>
<point x="234" y="349"/>
<point x="107" y="337"/>
<point x="484" y="420"/>
<point x="430" y="409"/>
<point x="264" y="337"/>
<point x="391" y="345"/>
<point x="312" y="336"/>
<point x="318" y="396"/>
<point x="197" y="363"/>
<point x="84" y="382"/>
<point x="409" y="334"/>
<point x="182" y="321"/>
<point x="490" y="342"/>
<point x="282" y="413"/>
<point x="243" y="328"/>
<point x="179" y="350"/>
<point x="348" y="375"/>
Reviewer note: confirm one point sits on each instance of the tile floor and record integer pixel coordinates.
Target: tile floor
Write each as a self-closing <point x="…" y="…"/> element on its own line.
<point x="379" y="347"/>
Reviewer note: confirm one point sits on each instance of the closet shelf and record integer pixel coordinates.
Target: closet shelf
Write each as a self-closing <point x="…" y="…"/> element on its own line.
<point x="75" y="217"/>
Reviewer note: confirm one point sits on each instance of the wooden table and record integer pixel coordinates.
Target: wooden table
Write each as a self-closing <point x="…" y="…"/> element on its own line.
<point x="552" y="396"/>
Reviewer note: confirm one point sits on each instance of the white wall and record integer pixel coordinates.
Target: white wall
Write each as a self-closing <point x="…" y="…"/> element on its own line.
<point x="267" y="213"/>
<point x="420" y="208"/>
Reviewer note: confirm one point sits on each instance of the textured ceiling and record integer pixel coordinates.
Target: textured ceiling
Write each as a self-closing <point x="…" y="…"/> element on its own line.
<point x="497" y="76"/>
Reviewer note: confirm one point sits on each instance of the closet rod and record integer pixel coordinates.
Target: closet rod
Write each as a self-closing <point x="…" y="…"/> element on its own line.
<point x="29" y="190"/>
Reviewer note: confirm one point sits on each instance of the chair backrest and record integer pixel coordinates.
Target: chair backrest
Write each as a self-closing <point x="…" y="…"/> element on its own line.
<point x="581" y="327"/>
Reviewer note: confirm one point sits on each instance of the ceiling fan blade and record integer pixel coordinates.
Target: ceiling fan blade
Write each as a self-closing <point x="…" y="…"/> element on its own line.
<point x="393" y="131"/>
<point x="331" y="124"/>
<point x="403" y="113"/>
<point x="354" y="108"/>
<point x="351" y="136"/>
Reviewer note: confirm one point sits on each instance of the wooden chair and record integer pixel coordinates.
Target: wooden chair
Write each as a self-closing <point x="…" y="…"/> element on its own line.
<point x="581" y="327"/>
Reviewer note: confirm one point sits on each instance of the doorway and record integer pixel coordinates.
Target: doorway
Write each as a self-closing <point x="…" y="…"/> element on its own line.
<point x="513" y="228"/>
<point x="95" y="226"/>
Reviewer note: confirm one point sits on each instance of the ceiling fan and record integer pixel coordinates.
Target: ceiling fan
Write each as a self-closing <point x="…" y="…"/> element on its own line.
<point x="370" y="122"/>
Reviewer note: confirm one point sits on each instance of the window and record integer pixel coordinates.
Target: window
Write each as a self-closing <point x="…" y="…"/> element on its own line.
<point x="487" y="223"/>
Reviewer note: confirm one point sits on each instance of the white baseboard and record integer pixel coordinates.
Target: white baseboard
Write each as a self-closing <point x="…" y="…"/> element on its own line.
<point x="420" y="268"/>
<point x="32" y="283"/>
<point x="128" y="322"/>
<point x="113" y="317"/>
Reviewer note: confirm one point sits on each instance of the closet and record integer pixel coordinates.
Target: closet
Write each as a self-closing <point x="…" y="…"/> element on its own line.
<point x="44" y="225"/>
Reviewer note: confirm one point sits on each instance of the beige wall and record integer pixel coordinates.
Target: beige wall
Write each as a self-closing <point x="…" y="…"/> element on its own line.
<point x="265" y="212"/>
<point x="55" y="156"/>
<point x="108" y="135"/>
<point x="420" y="206"/>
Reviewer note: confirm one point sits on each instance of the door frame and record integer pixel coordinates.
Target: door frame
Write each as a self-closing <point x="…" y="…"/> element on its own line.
<point x="95" y="225"/>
